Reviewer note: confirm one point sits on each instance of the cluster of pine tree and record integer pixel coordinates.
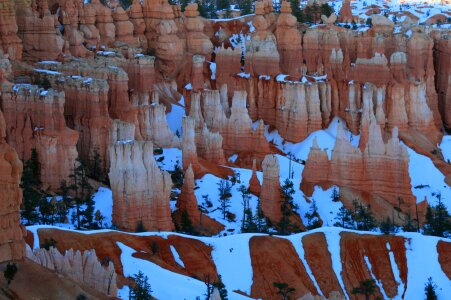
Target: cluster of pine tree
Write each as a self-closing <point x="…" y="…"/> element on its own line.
<point x="438" y="219"/>
<point x="39" y="207"/>
<point x="288" y="208"/>
<point x="359" y="218"/>
<point x="251" y="222"/>
<point x="311" y="13"/>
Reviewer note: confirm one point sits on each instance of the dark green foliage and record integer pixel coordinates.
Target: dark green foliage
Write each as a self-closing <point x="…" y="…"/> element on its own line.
<point x="154" y="247"/>
<point x="125" y="3"/>
<point x="335" y="195"/>
<point x="313" y="217"/>
<point x="283" y="290"/>
<point x="409" y="224"/>
<point x="224" y="188"/>
<point x="82" y="191"/>
<point x="31" y="184"/>
<point x="140" y="227"/>
<point x="344" y="219"/>
<point x="260" y="219"/>
<point x="296" y="11"/>
<point x="81" y="297"/>
<point x="209" y="287"/>
<point x="387" y="226"/>
<point x="42" y="82"/>
<point x="326" y="10"/>
<point x="363" y="217"/>
<point x="248" y="220"/>
<point x="288" y="207"/>
<point x="186" y="225"/>
<point x="354" y="25"/>
<point x="10" y="272"/>
<point x="367" y="288"/>
<point x="369" y="22"/>
<point x="207" y="8"/>
<point x="141" y="289"/>
<point x="429" y="290"/>
<point x="221" y="288"/>
<point x="438" y="220"/>
<point x="49" y="243"/>
<point x="222" y="4"/>
<point x="96" y="166"/>
<point x="245" y="7"/>
<point x="177" y="175"/>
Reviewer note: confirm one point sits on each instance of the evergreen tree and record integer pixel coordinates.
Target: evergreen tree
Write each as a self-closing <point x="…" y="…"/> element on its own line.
<point x="296" y="11"/>
<point x="186" y="225"/>
<point x="429" y="290"/>
<point x="222" y="4"/>
<point x="10" y="272"/>
<point x="245" y="196"/>
<point x="335" y="194"/>
<point x="366" y="288"/>
<point x="326" y="10"/>
<point x="66" y="202"/>
<point x="369" y="22"/>
<point x="224" y="188"/>
<point x="344" y="219"/>
<point x="259" y="217"/>
<point x="98" y="217"/>
<point x="283" y="290"/>
<point x="209" y="287"/>
<point x="125" y="3"/>
<point x="287" y="207"/>
<point x="438" y="220"/>
<point x="312" y="217"/>
<point x="221" y="288"/>
<point x="31" y="184"/>
<point x="96" y="166"/>
<point x="245" y="7"/>
<point x="363" y="217"/>
<point x="387" y="226"/>
<point x="408" y="224"/>
<point x="141" y="290"/>
<point x="82" y="193"/>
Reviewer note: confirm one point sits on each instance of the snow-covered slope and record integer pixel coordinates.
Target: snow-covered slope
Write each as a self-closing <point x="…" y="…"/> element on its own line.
<point x="400" y="264"/>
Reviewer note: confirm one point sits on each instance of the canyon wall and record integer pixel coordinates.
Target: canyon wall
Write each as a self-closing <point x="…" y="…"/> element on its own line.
<point x="12" y="245"/>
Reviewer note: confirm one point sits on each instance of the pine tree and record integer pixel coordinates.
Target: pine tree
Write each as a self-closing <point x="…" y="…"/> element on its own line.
<point x="296" y="11"/>
<point x="221" y="288"/>
<point x="245" y="7"/>
<point x="31" y="184"/>
<point x="366" y="288"/>
<point x="259" y="217"/>
<point x="96" y="166"/>
<point x="363" y="216"/>
<point x="287" y="207"/>
<point x="438" y="220"/>
<point x="408" y="224"/>
<point x="224" y="188"/>
<point x="141" y="290"/>
<point x="326" y="10"/>
<point x="283" y="290"/>
<point x="344" y="219"/>
<point x="312" y="217"/>
<point x="222" y="4"/>
<point x="10" y="272"/>
<point x="185" y="223"/>
<point x="82" y="193"/>
<point x="245" y="196"/>
<point x="429" y="290"/>
<point x="387" y="226"/>
<point x="335" y="194"/>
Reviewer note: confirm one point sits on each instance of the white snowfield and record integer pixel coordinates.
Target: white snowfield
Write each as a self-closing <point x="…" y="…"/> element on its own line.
<point x="421" y="9"/>
<point x="232" y="259"/>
